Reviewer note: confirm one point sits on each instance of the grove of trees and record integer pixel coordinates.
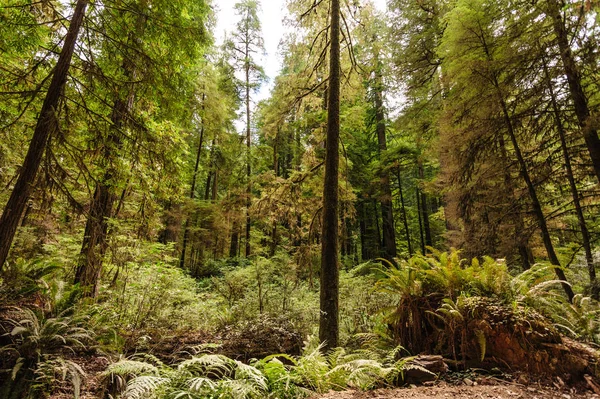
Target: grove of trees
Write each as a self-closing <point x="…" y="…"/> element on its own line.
<point x="138" y="161"/>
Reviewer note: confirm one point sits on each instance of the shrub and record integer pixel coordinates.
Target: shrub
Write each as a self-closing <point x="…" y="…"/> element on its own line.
<point x="37" y="352"/>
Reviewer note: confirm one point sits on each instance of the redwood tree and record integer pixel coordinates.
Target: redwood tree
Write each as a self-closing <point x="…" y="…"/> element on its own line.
<point x="45" y="126"/>
<point x="329" y="315"/>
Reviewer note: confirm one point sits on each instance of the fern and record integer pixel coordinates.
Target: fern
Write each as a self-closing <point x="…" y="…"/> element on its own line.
<point x="144" y="387"/>
<point x="199" y="384"/>
<point x="214" y="366"/>
<point x="217" y="376"/>
<point x="40" y="342"/>
<point x="252" y="375"/>
<point x="127" y="368"/>
<point x="55" y="369"/>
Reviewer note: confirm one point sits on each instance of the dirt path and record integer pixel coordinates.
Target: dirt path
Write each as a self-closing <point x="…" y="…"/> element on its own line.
<point x="443" y="391"/>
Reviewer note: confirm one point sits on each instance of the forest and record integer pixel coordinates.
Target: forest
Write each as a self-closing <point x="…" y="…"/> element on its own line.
<point x="413" y="207"/>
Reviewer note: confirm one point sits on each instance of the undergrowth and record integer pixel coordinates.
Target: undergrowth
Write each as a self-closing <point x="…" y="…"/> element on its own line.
<point x="275" y="376"/>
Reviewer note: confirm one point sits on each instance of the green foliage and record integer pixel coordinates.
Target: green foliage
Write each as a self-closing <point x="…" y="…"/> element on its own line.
<point x="23" y="278"/>
<point x="579" y="319"/>
<point x="439" y="288"/>
<point x="276" y="376"/>
<point x="38" y="348"/>
<point x="206" y="376"/>
<point x="52" y="371"/>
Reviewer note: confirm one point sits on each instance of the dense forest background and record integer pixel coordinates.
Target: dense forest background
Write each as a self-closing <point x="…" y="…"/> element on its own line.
<point x="148" y="195"/>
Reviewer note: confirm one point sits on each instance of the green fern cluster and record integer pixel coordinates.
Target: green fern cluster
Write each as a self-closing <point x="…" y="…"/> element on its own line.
<point x="445" y="273"/>
<point x="206" y="376"/>
<point x="38" y="346"/>
<point x="276" y="376"/>
<point x="431" y="290"/>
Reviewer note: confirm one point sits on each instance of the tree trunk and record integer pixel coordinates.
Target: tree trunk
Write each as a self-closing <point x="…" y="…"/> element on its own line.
<point x="215" y="186"/>
<point x="585" y="235"/>
<point x="233" y="247"/>
<point x="419" y="213"/>
<point x="95" y="240"/>
<point x="45" y="126"/>
<point x="362" y="225"/>
<point x="192" y="190"/>
<point x="522" y="247"/>
<point x="212" y="173"/>
<point x="425" y="211"/>
<point x="329" y="308"/>
<point x="403" y="208"/>
<point x="537" y="207"/>
<point x="378" y="239"/>
<point x="590" y="134"/>
<point x="248" y="141"/>
<point x="387" y="213"/>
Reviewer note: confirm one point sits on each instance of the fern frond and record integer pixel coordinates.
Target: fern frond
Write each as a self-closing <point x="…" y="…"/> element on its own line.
<point x="208" y="365"/>
<point x="252" y="375"/>
<point x="129" y="368"/>
<point x="143" y="387"/>
<point x="482" y="341"/>
<point x="199" y="384"/>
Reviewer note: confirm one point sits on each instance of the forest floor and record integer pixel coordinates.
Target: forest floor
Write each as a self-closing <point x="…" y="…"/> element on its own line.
<point x="443" y="390"/>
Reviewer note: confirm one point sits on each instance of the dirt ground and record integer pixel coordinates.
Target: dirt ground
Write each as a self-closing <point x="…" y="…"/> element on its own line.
<point x="443" y="391"/>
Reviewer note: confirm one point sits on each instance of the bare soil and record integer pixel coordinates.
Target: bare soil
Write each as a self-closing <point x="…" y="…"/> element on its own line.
<point x="443" y="390"/>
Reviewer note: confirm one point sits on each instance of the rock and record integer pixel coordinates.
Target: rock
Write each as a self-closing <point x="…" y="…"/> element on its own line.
<point x="428" y="368"/>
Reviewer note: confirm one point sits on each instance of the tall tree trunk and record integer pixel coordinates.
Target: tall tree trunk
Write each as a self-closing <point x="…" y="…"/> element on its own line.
<point x="186" y="231"/>
<point x="387" y="213"/>
<point x="425" y="210"/>
<point x="419" y="213"/>
<point x="95" y="239"/>
<point x="329" y="307"/>
<point x="276" y="169"/>
<point x="215" y="186"/>
<point x="378" y="239"/>
<point x="212" y="172"/>
<point x="233" y="247"/>
<point x="590" y="134"/>
<point x="208" y="185"/>
<point x="537" y="207"/>
<point x="403" y="208"/>
<point x="248" y="141"/>
<point x="522" y="247"/>
<point x="585" y="235"/>
<point x="535" y="202"/>
<point x="45" y="126"/>
<point x="362" y="225"/>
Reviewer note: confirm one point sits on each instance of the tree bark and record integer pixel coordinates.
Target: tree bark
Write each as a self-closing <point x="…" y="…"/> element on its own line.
<point x="45" y="126"/>
<point x="192" y="195"/>
<point x="518" y="219"/>
<point x="425" y="210"/>
<point x="95" y="239"/>
<point x="233" y="247"/>
<point x="403" y="208"/>
<point x="248" y="142"/>
<point x="585" y="235"/>
<point x="362" y="225"/>
<point x="582" y="111"/>
<point x="419" y="213"/>
<point x="387" y="213"/>
<point x="329" y="307"/>
<point x="535" y="202"/>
